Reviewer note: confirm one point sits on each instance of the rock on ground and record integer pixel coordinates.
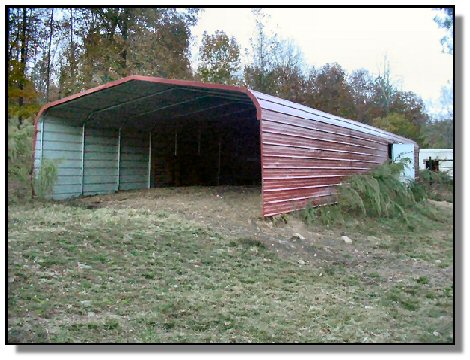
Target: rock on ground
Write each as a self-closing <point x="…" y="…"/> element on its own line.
<point x="346" y="239"/>
<point x="298" y="236"/>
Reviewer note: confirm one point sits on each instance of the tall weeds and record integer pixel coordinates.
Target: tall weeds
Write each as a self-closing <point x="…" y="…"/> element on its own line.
<point x="436" y="185"/>
<point x="19" y="159"/>
<point x="377" y="194"/>
<point x="45" y="179"/>
<point x="20" y="164"/>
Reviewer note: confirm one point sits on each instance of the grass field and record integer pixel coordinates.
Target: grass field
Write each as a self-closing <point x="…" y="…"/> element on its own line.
<point x="150" y="267"/>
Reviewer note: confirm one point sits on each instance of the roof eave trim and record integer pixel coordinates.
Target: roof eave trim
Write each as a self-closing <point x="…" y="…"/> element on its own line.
<point x="152" y="79"/>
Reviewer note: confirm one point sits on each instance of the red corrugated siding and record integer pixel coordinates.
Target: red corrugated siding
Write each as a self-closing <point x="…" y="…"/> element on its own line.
<point x="298" y="111"/>
<point x="304" y="160"/>
<point x="306" y="153"/>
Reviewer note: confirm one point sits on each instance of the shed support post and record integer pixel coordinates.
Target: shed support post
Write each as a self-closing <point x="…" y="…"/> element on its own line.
<point x="218" y="164"/>
<point x="150" y="160"/>
<point x="118" y="161"/>
<point x="176" y="142"/>
<point x="42" y="143"/>
<point x="37" y="171"/>
<point x="199" y="140"/>
<point x="82" y="166"/>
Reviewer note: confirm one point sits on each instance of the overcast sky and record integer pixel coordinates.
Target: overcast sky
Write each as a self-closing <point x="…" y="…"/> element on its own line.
<point x="354" y="38"/>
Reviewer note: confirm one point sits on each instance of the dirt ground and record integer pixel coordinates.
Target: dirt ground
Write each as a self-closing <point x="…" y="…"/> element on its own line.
<point x="232" y="211"/>
<point x="235" y="212"/>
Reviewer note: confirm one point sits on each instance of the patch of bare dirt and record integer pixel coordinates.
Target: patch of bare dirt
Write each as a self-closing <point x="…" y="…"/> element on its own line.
<point x="235" y="212"/>
<point x="441" y="204"/>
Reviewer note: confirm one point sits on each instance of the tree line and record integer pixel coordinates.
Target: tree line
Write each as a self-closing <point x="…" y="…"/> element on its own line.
<point x="55" y="52"/>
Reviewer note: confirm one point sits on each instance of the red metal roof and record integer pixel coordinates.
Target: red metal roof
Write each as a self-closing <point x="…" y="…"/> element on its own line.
<point x="269" y="102"/>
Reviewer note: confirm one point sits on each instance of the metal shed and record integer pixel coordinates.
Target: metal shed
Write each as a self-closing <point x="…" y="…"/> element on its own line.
<point x="443" y="159"/>
<point x="141" y="132"/>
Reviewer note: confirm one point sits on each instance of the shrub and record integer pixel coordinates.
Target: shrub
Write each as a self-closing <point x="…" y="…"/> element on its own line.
<point x="379" y="193"/>
<point x="326" y="214"/>
<point x="438" y="178"/>
<point x="19" y="159"/>
<point x="45" y="179"/>
<point x="436" y="185"/>
<point x="20" y="162"/>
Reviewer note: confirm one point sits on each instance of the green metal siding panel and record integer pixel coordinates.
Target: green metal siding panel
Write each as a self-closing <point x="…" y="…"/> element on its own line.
<point x="64" y="171"/>
<point x="62" y="145"/>
<point x="54" y="145"/>
<point x="100" y="171"/>
<point x="101" y="148"/>
<point x="64" y="163"/>
<point x="135" y="171"/>
<point x="61" y="136"/>
<point x="100" y="156"/>
<point x="99" y="164"/>
<point x="101" y="179"/>
<point x="134" y="157"/>
<point x="133" y="186"/>
<point x="59" y="126"/>
<point x="95" y="192"/>
<point x="134" y="160"/>
<point x="64" y="154"/>
<point x="102" y="133"/>
<point x="71" y="190"/>
<point x="102" y="140"/>
<point x="134" y="178"/>
<point x="65" y="196"/>
<point x="68" y="180"/>
<point x="90" y="189"/>
<point x="134" y="164"/>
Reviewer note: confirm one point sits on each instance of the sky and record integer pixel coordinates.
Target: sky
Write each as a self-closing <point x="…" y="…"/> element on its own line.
<point x="354" y="38"/>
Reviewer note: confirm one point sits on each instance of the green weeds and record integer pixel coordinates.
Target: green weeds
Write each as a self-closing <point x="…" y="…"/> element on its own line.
<point x="381" y="195"/>
<point x="45" y="179"/>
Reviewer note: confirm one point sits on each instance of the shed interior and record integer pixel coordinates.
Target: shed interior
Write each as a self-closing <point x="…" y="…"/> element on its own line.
<point x="141" y="134"/>
<point x="206" y="151"/>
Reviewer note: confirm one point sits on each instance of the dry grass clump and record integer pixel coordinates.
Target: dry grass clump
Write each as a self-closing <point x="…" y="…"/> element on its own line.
<point x="381" y="194"/>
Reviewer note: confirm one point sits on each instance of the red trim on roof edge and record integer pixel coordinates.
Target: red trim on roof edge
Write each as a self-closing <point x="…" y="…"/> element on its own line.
<point x="154" y="80"/>
<point x="139" y="78"/>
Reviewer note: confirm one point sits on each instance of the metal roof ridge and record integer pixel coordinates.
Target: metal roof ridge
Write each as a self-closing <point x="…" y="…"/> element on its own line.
<point x="313" y="111"/>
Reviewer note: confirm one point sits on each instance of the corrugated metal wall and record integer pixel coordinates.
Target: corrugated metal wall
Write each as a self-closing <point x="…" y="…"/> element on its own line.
<point x="134" y="160"/>
<point x="62" y="143"/>
<point x="100" y="163"/>
<point x="304" y="160"/>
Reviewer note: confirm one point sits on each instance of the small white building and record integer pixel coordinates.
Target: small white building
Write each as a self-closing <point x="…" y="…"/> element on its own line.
<point x="444" y="158"/>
